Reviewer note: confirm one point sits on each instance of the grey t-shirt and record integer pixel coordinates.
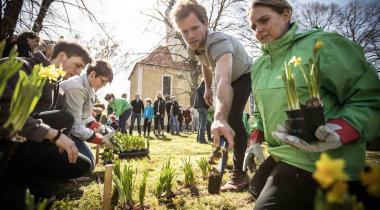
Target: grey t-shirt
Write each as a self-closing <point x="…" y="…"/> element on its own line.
<point x="218" y="44"/>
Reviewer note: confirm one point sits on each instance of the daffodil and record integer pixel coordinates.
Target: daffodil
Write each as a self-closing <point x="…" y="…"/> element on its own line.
<point x="295" y="61"/>
<point x="318" y="45"/>
<point x="61" y="72"/>
<point x="371" y="179"/>
<point x="337" y="193"/>
<point x="328" y="171"/>
<point x="51" y="73"/>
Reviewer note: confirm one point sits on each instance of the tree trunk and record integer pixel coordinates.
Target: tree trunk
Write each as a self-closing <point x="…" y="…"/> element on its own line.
<point x="37" y="26"/>
<point x="194" y="74"/>
<point x="9" y="20"/>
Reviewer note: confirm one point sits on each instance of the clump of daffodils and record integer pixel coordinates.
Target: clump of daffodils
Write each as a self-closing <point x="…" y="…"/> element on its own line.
<point x="28" y="92"/>
<point x="51" y="73"/>
<point x="330" y="175"/>
<point x="311" y="74"/>
<point x="371" y="179"/>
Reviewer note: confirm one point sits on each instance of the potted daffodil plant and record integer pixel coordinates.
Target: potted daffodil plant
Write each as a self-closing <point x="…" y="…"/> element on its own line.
<point x="303" y="120"/>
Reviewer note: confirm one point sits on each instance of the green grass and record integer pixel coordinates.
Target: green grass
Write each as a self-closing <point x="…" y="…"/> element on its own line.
<point x="87" y="195"/>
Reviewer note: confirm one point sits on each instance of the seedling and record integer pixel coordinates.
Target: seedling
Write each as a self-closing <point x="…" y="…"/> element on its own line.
<point x="189" y="173"/>
<point x="142" y="188"/>
<point x="165" y="182"/>
<point x="205" y="167"/>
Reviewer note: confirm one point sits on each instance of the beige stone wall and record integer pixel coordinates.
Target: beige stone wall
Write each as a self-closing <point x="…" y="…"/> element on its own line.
<point x="152" y="82"/>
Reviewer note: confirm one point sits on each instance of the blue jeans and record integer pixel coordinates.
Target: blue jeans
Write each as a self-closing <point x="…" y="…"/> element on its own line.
<point x="133" y="118"/>
<point x="123" y="118"/>
<point x="84" y="149"/>
<point x="202" y="123"/>
<point x="174" y="127"/>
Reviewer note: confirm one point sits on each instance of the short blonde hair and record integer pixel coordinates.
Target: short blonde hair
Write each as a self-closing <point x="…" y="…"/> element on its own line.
<point x="183" y="8"/>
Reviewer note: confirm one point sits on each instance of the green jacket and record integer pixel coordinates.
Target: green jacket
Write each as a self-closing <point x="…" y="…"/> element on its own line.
<point x="119" y="105"/>
<point x="350" y="89"/>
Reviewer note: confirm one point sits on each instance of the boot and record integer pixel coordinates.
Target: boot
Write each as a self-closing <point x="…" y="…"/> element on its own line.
<point x="238" y="181"/>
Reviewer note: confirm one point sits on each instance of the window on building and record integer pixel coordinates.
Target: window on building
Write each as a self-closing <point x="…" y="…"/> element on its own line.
<point x="166" y="85"/>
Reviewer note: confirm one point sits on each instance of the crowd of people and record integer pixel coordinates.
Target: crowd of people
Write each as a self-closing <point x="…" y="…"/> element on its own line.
<point x="67" y="117"/>
<point x="161" y="110"/>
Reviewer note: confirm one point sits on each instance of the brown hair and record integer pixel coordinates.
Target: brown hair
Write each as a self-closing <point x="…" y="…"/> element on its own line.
<point x="27" y="35"/>
<point x="278" y="6"/>
<point x="183" y="8"/>
<point x="148" y="100"/>
<point x="108" y="96"/>
<point x="101" y="68"/>
<point x="71" y="49"/>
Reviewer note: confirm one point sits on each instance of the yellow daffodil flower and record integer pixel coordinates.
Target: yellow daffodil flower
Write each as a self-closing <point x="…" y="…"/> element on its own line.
<point x="296" y="61"/>
<point x="371" y="179"/>
<point x="337" y="193"/>
<point x="51" y="73"/>
<point x="318" y="45"/>
<point x="329" y="171"/>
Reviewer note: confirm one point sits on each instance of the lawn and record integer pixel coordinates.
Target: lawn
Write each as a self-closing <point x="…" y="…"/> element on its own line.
<point x="86" y="193"/>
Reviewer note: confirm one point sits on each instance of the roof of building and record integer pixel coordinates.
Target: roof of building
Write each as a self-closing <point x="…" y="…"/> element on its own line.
<point x="161" y="57"/>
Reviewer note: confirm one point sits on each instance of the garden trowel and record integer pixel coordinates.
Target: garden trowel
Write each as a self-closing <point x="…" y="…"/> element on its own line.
<point x="216" y="174"/>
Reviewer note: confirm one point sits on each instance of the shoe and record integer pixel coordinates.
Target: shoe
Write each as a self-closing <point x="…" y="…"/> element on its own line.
<point x="238" y="181"/>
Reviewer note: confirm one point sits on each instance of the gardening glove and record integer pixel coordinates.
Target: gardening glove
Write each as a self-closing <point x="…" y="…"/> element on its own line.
<point x="107" y="138"/>
<point x="253" y="150"/>
<point x="331" y="136"/>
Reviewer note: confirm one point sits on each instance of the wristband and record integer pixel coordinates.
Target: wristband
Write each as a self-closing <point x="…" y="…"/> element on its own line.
<point x="56" y="137"/>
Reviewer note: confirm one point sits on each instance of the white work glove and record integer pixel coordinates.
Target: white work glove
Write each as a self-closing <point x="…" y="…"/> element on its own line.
<point x="253" y="150"/>
<point x="326" y="134"/>
<point x="109" y="133"/>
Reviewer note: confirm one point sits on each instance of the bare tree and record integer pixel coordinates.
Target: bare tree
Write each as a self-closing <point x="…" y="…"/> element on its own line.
<point x="315" y="14"/>
<point x="8" y="20"/>
<point x="361" y="25"/>
<point x="109" y="49"/>
<point x="40" y="16"/>
<point x="356" y="20"/>
<point x="219" y="20"/>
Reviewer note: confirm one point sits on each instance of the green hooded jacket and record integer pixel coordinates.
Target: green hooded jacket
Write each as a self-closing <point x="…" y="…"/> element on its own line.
<point x="119" y="105"/>
<point x="350" y="89"/>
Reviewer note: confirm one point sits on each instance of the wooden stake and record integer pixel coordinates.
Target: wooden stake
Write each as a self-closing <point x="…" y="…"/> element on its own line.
<point x="107" y="190"/>
<point x="97" y="154"/>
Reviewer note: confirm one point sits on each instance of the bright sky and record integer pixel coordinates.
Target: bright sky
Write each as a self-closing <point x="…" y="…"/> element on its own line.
<point x="124" y="20"/>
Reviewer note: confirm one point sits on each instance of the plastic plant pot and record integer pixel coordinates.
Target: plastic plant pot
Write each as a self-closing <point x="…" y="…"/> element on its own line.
<point x="214" y="183"/>
<point x="314" y="118"/>
<point x="295" y="123"/>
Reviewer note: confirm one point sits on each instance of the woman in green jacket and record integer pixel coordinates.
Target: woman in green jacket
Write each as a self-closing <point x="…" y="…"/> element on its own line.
<point x="121" y="108"/>
<point x="350" y="94"/>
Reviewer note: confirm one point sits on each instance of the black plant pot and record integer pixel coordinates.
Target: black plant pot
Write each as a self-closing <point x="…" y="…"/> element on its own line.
<point x="314" y="118"/>
<point x="134" y="153"/>
<point x="295" y="124"/>
<point x="214" y="183"/>
<point x="304" y="122"/>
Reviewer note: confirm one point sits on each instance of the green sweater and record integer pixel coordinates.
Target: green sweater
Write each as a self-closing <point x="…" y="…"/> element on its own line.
<point x="120" y="105"/>
<point x="350" y="89"/>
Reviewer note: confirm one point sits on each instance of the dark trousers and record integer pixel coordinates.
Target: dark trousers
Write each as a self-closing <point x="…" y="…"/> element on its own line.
<point x="159" y="123"/>
<point x="288" y="187"/>
<point x="208" y="131"/>
<point x="147" y="125"/>
<point x="39" y="160"/>
<point x="123" y="118"/>
<point x="241" y="90"/>
<point x="133" y="118"/>
<point x="168" y="125"/>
